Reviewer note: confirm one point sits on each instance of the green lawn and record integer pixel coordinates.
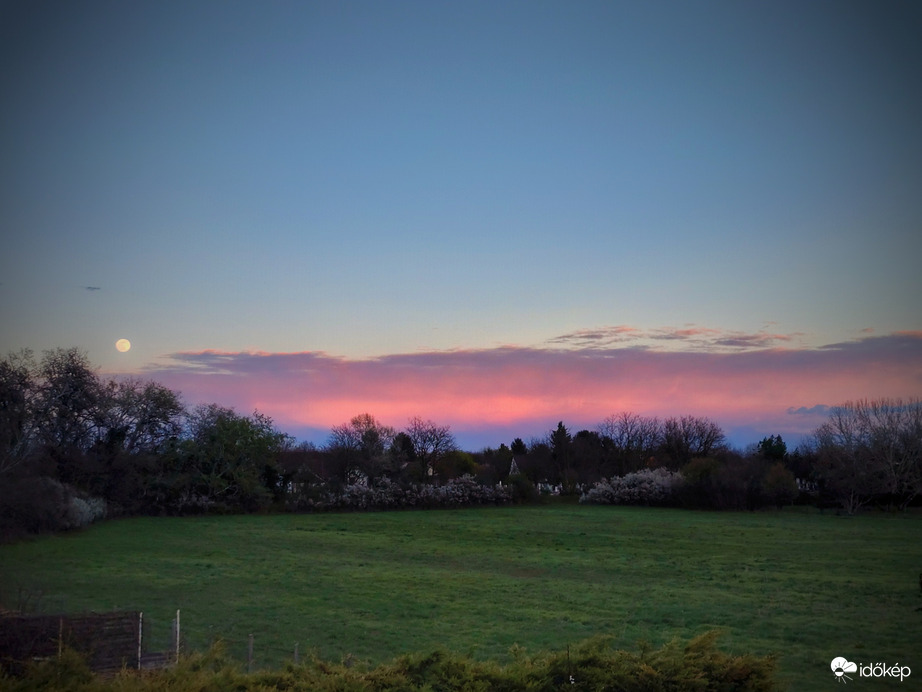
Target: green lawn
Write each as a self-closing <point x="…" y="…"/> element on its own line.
<point x="806" y="586"/>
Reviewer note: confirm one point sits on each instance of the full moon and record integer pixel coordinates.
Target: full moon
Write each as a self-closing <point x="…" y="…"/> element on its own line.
<point x="123" y="345"/>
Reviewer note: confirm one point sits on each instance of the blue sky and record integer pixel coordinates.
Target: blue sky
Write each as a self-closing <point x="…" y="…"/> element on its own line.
<point x="367" y="180"/>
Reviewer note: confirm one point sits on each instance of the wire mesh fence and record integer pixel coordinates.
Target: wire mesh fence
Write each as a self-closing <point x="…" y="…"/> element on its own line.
<point x="113" y="641"/>
<point x="108" y="641"/>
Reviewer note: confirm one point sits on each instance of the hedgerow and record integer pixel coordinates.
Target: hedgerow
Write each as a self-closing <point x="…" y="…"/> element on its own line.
<point x="387" y="494"/>
<point x="592" y="665"/>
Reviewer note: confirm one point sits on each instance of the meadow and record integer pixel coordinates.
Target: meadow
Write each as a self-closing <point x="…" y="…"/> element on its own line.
<point x="369" y="586"/>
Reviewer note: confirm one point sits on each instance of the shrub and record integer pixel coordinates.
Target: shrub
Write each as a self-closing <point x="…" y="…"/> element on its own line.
<point x="31" y="505"/>
<point x="591" y="665"/>
<point x="41" y="504"/>
<point x="735" y="483"/>
<point x="66" y="672"/>
<point x="82" y="511"/>
<point x="779" y="485"/>
<point x="522" y="489"/>
<point x="646" y="487"/>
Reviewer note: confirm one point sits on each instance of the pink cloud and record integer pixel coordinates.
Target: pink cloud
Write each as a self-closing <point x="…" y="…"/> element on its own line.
<point x="771" y="389"/>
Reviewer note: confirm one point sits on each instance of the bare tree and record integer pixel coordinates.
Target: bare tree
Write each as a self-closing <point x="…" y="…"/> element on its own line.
<point x="360" y="446"/>
<point x="894" y="430"/>
<point x="872" y="448"/>
<point x="633" y="438"/>
<point x="364" y="434"/>
<point x="911" y="445"/>
<point x="67" y="409"/>
<point x="689" y="437"/>
<point x="845" y="464"/>
<point x="430" y="441"/>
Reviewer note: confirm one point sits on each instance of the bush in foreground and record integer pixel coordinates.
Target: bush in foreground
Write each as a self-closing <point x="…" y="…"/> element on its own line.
<point x="592" y="665"/>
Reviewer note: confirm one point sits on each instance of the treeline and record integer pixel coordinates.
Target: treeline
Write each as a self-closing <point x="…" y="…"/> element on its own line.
<point x="75" y="448"/>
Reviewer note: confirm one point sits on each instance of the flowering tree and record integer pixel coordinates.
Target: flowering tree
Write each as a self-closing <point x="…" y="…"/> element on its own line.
<point x="645" y="487"/>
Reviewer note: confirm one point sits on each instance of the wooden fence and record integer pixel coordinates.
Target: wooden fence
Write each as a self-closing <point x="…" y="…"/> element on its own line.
<point x="108" y="641"/>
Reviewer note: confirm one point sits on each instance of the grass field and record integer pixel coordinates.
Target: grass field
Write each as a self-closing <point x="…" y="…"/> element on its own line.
<point x="805" y="586"/>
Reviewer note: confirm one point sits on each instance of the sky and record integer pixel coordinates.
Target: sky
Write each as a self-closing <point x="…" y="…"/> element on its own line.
<point x="493" y="215"/>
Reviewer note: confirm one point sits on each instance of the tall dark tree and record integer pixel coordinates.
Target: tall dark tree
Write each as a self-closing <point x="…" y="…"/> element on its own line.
<point x="401" y="459"/>
<point x="17" y="390"/>
<point x="230" y="461"/>
<point x="772" y="448"/>
<point x="541" y="465"/>
<point x="143" y="416"/>
<point x="68" y="415"/>
<point x="588" y="453"/>
<point x="141" y="421"/>
<point x="560" y="443"/>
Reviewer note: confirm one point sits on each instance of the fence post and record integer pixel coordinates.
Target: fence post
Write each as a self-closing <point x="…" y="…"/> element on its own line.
<point x="60" y="636"/>
<point x="140" y="635"/>
<point x="296" y="653"/>
<point x="176" y="635"/>
<point x="250" y="655"/>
